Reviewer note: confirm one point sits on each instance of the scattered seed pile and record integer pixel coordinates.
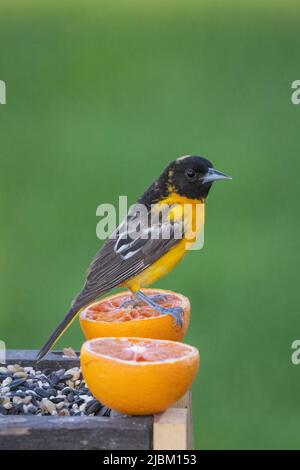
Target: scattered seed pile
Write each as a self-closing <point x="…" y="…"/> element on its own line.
<point x="24" y="390"/>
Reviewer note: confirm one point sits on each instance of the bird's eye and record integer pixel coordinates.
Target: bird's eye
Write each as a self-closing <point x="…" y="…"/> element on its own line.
<point x="191" y="174"/>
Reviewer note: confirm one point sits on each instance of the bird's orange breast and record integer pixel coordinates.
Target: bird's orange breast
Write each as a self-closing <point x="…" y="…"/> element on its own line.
<point x="194" y="218"/>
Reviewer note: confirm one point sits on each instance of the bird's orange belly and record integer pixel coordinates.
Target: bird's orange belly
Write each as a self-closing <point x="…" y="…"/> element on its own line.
<point x="168" y="261"/>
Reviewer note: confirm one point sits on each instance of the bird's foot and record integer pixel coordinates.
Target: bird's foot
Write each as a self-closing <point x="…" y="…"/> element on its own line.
<point x="175" y="312"/>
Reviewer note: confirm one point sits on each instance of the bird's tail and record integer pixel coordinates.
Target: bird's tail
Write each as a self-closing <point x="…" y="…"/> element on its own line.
<point x="58" y="332"/>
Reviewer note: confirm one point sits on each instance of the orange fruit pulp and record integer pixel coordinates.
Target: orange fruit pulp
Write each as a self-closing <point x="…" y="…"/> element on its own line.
<point x="113" y="316"/>
<point x="138" y="376"/>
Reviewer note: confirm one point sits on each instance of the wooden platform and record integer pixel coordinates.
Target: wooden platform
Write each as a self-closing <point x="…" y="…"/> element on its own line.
<point x="171" y="430"/>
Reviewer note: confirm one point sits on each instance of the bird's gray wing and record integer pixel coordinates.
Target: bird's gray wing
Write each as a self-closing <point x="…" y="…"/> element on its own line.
<point x="124" y="256"/>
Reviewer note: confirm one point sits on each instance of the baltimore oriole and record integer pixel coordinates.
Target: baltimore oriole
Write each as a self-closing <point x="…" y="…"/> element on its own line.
<point x="135" y="261"/>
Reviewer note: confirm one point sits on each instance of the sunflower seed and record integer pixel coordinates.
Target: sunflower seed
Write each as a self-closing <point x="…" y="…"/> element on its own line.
<point x="3" y="410"/>
<point x="66" y="390"/>
<point x="74" y="373"/>
<point x="58" y="399"/>
<point x="7" y="382"/>
<point x="70" y="383"/>
<point x="41" y="392"/>
<point x="48" y="406"/>
<point x="16" y="383"/>
<point x="6" y="374"/>
<point x="32" y="409"/>
<point x="104" y="411"/>
<point x="8" y="405"/>
<point x="92" y="407"/>
<point x="14" y="367"/>
<point x="20" y="375"/>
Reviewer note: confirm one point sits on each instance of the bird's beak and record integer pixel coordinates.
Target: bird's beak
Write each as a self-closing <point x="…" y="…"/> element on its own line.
<point x="214" y="175"/>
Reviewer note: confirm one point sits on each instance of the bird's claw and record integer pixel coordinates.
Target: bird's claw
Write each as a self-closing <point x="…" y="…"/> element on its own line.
<point x="177" y="314"/>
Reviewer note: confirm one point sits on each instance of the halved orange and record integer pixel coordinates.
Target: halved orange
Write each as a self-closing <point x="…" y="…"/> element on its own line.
<point x="138" y="376"/>
<point x="111" y="317"/>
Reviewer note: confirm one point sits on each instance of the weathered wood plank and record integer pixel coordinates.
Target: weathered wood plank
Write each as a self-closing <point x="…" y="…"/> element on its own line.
<point x="170" y="429"/>
<point x="71" y="433"/>
<point x="53" y="360"/>
<point x="173" y="429"/>
<point x="186" y="402"/>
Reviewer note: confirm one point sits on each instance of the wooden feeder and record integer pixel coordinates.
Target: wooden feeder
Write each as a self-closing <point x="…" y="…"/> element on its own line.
<point x="170" y="430"/>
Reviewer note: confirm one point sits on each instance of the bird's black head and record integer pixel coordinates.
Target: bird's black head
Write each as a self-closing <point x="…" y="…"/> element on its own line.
<point x="192" y="176"/>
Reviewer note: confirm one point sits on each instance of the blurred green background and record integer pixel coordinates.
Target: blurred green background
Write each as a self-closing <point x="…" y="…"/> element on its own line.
<point x="101" y="95"/>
